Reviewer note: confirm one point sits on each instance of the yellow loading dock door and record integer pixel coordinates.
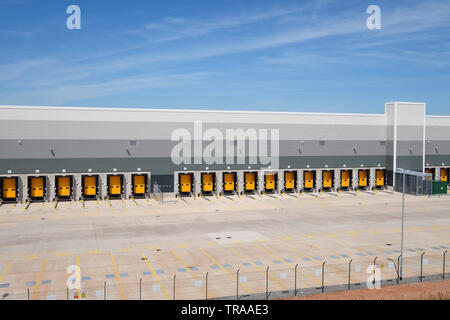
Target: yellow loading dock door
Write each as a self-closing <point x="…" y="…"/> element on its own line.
<point x="64" y="187"/>
<point x="90" y="186"/>
<point x="362" y="175"/>
<point x="444" y="176"/>
<point x="139" y="185"/>
<point x="9" y="188"/>
<point x="270" y="181"/>
<point x="327" y="179"/>
<point x="185" y="183"/>
<point x="229" y="182"/>
<point x="345" y="179"/>
<point x="115" y="186"/>
<point x="289" y="180"/>
<point x="207" y="182"/>
<point x="37" y="187"/>
<point x="309" y="179"/>
<point x="380" y="178"/>
<point x="250" y="181"/>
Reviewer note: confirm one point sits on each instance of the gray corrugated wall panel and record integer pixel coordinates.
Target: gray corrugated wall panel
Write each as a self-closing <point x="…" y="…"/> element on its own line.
<point x="437" y="160"/>
<point x="35" y="149"/>
<point x="43" y="129"/>
<point x="437" y="133"/>
<point x="165" y="165"/>
<point x="410" y="162"/>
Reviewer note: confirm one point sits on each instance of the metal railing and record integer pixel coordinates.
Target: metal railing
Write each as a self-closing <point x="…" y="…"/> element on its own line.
<point x="257" y="282"/>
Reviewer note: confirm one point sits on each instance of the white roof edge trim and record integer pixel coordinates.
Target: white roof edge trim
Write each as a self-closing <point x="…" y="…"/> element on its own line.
<point x="187" y="110"/>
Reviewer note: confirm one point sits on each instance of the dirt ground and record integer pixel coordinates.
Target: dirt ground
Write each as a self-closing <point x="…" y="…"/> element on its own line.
<point x="439" y="290"/>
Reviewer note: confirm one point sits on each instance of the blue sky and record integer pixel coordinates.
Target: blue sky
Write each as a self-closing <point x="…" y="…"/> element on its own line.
<point x="311" y="56"/>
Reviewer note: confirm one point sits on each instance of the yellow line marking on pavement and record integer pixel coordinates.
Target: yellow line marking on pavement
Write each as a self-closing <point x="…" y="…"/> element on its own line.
<point x="331" y="235"/>
<point x="353" y="233"/>
<point x="309" y="236"/>
<point x="395" y="230"/>
<point x="415" y="229"/>
<point x="260" y="269"/>
<point x="153" y="248"/>
<point x="223" y="268"/>
<point x="29" y="256"/>
<point x="435" y="228"/>
<point x="4" y="272"/>
<point x="61" y="254"/>
<point x="79" y="289"/>
<point x="376" y="232"/>
<point x="95" y="252"/>
<point x="39" y="280"/>
<point x="117" y="276"/>
<point x="285" y="238"/>
<point x="182" y="245"/>
<point x="210" y="243"/>
<point x="288" y="264"/>
<point x="154" y="274"/>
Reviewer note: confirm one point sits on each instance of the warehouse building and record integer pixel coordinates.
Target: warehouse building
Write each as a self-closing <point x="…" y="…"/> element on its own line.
<point x="55" y="153"/>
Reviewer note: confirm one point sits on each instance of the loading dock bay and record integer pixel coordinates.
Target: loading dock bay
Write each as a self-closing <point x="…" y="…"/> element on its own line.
<point x="300" y="232"/>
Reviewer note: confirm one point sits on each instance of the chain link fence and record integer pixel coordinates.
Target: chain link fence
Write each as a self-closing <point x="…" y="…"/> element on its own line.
<point x="252" y="282"/>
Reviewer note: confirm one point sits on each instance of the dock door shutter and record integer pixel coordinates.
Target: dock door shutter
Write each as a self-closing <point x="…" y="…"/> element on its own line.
<point x="289" y="180"/>
<point x="63" y="186"/>
<point x="362" y="178"/>
<point x="380" y="178"/>
<point x="185" y="183"/>
<point x="9" y="188"/>
<point x="207" y="182"/>
<point x="228" y="179"/>
<point x="309" y="180"/>
<point x="250" y="181"/>
<point x="115" y="185"/>
<point x="345" y="179"/>
<point x="444" y="175"/>
<point x="327" y="179"/>
<point x="270" y="181"/>
<point x="139" y="184"/>
<point x="90" y="186"/>
<point x="37" y="187"/>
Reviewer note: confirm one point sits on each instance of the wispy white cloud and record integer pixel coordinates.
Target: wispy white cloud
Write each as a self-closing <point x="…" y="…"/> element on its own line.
<point x="60" y="81"/>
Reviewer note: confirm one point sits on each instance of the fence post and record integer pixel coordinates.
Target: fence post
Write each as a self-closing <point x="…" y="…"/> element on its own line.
<point x="443" y="266"/>
<point x="237" y="284"/>
<point x="349" y="272"/>
<point x="104" y="291"/>
<point x="295" y="280"/>
<point x="206" y="282"/>
<point x="140" y="288"/>
<point x="399" y="277"/>
<point x="174" y="278"/>
<point x="28" y="293"/>
<point x="67" y="293"/>
<point x="421" y="266"/>
<point x="323" y="276"/>
<point x="374" y="269"/>
<point x="267" y="283"/>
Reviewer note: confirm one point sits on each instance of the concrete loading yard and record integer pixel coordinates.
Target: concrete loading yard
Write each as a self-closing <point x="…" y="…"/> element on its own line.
<point x="121" y="242"/>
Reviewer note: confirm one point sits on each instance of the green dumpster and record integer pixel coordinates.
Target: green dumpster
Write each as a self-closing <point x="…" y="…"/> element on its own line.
<point x="439" y="187"/>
